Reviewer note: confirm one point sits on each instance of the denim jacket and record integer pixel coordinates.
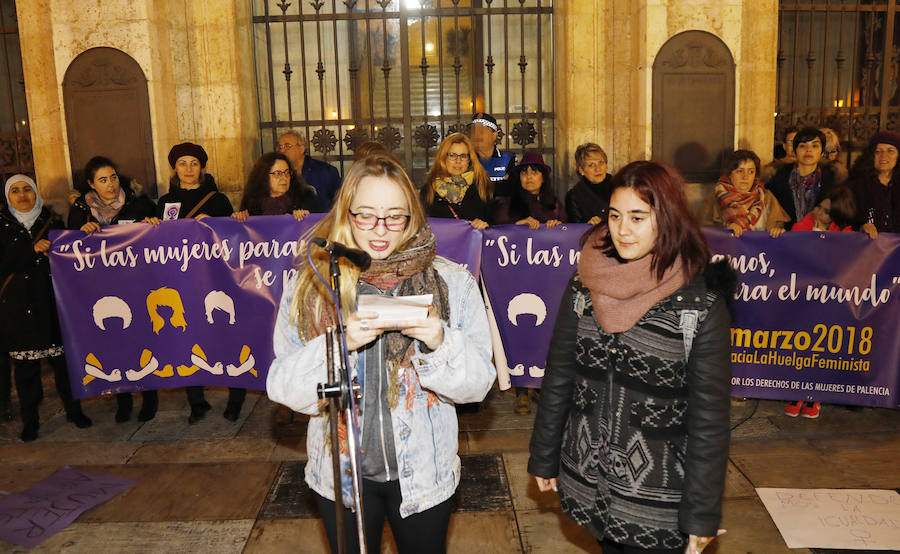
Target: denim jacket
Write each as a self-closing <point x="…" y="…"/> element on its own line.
<point x="425" y="437"/>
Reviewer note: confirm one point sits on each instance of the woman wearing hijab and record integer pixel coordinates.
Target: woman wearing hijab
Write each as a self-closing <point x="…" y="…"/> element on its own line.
<point x="29" y="326"/>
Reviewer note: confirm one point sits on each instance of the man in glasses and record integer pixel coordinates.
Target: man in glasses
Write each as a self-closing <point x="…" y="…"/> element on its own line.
<point x="322" y="176"/>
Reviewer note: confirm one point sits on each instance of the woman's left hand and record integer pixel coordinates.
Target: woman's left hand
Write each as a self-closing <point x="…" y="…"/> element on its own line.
<point x="42" y="246"/>
<point x="300" y="214"/>
<point x="429" y="330"/>
<point x="479" y="224"/>
<point x="530" y="221"/>
<point x="155" y="221"/>
<point x="551" y="223"/>
<point x="696" y="544"/>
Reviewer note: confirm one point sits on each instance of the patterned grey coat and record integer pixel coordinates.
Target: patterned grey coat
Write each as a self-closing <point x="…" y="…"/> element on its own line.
<point x="636" y="433"/>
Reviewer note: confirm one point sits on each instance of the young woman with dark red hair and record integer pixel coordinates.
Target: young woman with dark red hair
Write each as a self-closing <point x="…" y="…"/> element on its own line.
<point x="632" y="424"/>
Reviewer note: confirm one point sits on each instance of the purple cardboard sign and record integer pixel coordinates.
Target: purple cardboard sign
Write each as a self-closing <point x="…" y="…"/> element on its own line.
<point x="32" y="516"/>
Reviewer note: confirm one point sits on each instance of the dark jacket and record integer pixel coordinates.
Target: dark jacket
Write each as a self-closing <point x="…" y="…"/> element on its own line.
<point x="135" y="209"/>
<point x="780" y="186"/>
<point x="323" y="177"/>
<point x="28" y="319"/>
<point x="301" y="195"/>
<point x="542" y="206"/>
<point x="877" y="204"/>
<point x="217" y="206"/>
<point x="469" y="208"/>
<point x="587" y="199"/>
<point x="636" y="434"/>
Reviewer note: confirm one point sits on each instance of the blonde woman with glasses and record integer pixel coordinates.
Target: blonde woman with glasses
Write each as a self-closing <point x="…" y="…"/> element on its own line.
<point x="457" y="186"/>
<point x="412" y="372"/>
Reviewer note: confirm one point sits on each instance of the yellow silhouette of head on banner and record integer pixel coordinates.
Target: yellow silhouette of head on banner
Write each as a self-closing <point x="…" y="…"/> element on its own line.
<point x="165" y="296"/>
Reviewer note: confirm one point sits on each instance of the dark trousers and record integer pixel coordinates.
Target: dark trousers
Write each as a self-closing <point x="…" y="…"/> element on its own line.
<point x="31" y="389"/>
<point x="235" y="396"/>
<point x="610" y="547"/>
<point x="5" y="378"/>
<point x="150" y="398"/>
<point x="422" y="532"/>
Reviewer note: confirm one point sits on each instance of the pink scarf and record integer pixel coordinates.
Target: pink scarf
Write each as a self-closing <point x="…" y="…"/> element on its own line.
<point x="623" y="292"/>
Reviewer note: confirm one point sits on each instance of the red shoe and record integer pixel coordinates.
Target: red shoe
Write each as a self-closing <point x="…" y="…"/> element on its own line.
<point x="793" y="408"/>
<point x="810" y="410"/>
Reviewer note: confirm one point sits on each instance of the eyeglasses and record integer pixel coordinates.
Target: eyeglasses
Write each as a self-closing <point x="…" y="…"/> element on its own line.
<point x="368" y="221"/>
<point x="453" y="156"/>
<point x="286" y="146"/>
<point x="281" y="173"/>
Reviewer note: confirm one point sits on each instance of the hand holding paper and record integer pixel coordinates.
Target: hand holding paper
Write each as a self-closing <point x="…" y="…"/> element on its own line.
<point x="696" y="544"/>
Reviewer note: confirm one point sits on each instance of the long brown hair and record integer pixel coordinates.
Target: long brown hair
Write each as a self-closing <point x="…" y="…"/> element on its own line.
<point x="336" y="226"/>
<point x="439" y="169"/>
<point x="678" y="233"/>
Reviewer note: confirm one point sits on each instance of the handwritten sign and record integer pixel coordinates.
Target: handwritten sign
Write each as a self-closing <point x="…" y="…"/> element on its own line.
<point x="30" y="517"/>
<point x="835" y="518"/>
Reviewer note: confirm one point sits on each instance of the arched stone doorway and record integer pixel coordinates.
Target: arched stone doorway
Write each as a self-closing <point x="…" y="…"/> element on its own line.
<point x="693" y="104"/>
<point x="108" y="114"/>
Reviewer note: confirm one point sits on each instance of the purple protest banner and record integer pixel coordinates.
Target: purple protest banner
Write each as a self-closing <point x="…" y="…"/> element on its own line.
<point x="32" y="516"/>
<point x="525" y="272"/>
<point x="816" y="316"/>
<point x="187" y="302"/>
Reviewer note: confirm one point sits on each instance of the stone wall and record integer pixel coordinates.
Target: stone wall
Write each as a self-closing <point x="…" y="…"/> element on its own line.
<point x="196" y="55"/>
<point x="605" y="51"/>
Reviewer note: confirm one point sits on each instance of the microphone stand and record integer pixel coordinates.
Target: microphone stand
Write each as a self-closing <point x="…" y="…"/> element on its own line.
<point x="342" y="395"/>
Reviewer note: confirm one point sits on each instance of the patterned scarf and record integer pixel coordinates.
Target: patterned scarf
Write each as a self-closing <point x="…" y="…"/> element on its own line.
<point x="104" y="213"/>
<point x="804" y="191"/>
<point x="743" y="208"/>
<point x="453" y="189"/>
<point x="623" y="292"/>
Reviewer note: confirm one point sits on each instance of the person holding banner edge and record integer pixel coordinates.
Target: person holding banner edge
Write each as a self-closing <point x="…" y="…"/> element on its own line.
<point x="457" y="186"/>
<point x="632" y="427"/>
<point x="274" y="189"/>
<point x="103" y="201"/>
<point x="193" y="194"/>
<point x="29" y="325"/>
<point x="411" y="372"/>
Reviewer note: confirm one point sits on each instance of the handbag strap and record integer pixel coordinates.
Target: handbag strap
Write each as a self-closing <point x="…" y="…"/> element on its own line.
<point x="199" y="205"/>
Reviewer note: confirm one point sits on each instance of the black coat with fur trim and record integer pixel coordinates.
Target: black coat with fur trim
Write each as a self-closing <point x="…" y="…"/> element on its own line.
<point x="28" y="319"/>
<point x="635" y="429"/>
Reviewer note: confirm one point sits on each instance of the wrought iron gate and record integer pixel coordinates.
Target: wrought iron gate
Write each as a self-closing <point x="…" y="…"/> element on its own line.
<point x="838" y="68"/>
<point x="405" y="73"/>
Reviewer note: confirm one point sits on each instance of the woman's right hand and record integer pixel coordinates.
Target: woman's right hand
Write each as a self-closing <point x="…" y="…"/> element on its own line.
<point x="90" y="227"/>
<point x="870" y="230"/>
<point x="736" y="229"/>
<point x="776" y="232"/>
<point x="530" y="221"/>
<point x="595" y="220"/>
<point x="546" y="485"/>
<point x="155" y="221"/>
<point x="361" y="329"/>
<point x="241" y="215"/>
<point x="479" y="224"/>
<point x="42" y="246"/>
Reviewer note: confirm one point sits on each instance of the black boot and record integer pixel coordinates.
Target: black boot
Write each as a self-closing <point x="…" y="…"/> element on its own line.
<point x="6" y="413"/>
<point x="198" y="412"/>
<point x="149" y="405"/>
<point x="126" y="404"/>
<point x="76" y="416"/>
<point x="235" y="403"/>
<point x="29" y="431"/>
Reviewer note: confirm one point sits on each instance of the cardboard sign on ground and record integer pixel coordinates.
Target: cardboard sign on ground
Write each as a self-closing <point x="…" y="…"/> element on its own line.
<point x="835" y="518"/>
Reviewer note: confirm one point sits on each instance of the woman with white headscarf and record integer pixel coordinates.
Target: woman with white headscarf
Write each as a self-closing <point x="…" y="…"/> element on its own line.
<point x="29" y="326"/>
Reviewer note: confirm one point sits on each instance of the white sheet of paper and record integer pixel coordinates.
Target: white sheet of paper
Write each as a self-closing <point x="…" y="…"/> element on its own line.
<point x="861" y="519"/>
<point x="395" y="308"/>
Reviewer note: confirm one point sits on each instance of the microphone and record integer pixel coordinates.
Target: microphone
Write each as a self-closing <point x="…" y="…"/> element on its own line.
<point x="353" y="255"/>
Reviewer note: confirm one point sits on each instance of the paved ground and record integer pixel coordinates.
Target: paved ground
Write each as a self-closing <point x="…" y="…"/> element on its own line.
<point x="237" y="487"/>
